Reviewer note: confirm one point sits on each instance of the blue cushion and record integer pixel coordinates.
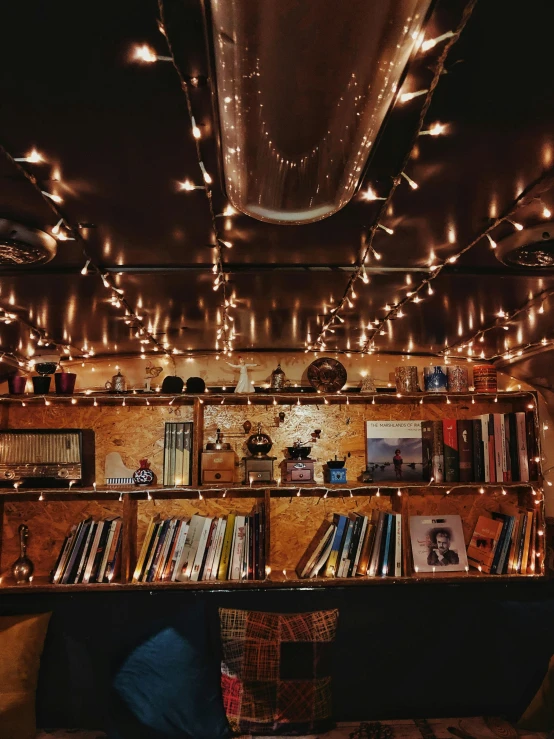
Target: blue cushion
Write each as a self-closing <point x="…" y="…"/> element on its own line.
<point x="169" y="687"/>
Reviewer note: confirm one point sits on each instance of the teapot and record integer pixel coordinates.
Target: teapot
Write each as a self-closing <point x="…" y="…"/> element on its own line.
<point x="118" y="383"/>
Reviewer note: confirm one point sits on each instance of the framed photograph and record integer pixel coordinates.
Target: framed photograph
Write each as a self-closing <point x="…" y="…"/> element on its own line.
<point x="438" y="543"/>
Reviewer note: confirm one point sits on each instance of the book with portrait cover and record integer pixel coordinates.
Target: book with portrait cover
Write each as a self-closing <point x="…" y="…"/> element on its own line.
<point x="394" y="451"/>
<point x="438" y="543"/>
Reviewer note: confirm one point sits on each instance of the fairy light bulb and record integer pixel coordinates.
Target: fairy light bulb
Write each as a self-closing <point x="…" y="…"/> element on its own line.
<point x="515" y="224"/>
<point x="409" y="180"/>
<point x="207" y="178"/>
<point x="365" y="278"/>
<point x="376" y="254"/>
<point x="33" y="157"/>
<point x="144" y="54"/>
<point x="85" y="268"/>
<point x="546" y="212"/>
<point x="385" y="229"/>
<point x="492" y="242"/>
<point x="430" y="290"/>
<point x="435" y="130"/>
<point x="195" y="130"/>
<point x="52" y="196"/>
<point x="370" y="194"/>
<point x="56" y="228"/>
<point x="105" y="281"/>
<point x="432" y="42"/>
<point x="407" y="96"/>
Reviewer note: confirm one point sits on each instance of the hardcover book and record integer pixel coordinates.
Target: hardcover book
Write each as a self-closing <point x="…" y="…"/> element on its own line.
<point x="451" y="454"/>
<point x="465" y="450"/>
<point x="438" y="543"/>
<point x="394" y="450"/>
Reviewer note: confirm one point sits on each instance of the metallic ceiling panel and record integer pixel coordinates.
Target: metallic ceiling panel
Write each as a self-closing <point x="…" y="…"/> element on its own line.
<point x="303" y="89"/>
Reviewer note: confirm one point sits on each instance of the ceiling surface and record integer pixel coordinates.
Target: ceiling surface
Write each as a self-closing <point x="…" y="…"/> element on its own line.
<point x="116" y="138"/>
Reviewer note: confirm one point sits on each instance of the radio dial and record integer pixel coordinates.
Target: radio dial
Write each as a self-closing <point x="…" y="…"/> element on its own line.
<point x="62" y="473"/>
<point x="9" y="475"/>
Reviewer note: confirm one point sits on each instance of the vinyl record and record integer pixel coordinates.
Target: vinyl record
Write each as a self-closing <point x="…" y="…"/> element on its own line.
<point x="327" y="375"/>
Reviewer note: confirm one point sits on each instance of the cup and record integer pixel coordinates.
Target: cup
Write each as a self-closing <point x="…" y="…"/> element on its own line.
<point x="16" y="384"/>
<point x="65" y="382"/>
<point x="406" y="379"/>
<point x="458" y="379"/>
<point x="41" y="384"/>
<point x="485" y="379"/>
<point x="435" y="378"/>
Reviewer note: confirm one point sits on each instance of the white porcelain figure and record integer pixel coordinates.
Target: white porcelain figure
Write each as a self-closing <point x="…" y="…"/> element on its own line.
<point x="243" y="385"/>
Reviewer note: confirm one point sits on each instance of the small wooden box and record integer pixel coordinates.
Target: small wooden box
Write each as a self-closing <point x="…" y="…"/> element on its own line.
<point x="301" y="470"/>
<point x="258" y="469"/>
<point x="218" y="466"/>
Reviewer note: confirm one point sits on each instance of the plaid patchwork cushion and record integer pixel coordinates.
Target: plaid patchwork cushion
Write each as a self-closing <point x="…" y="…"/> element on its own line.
<point x="276" y="671"/>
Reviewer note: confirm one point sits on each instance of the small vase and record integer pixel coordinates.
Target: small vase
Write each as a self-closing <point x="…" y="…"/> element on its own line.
<point x="144" y="475"/>
<point x="22" y="568"/>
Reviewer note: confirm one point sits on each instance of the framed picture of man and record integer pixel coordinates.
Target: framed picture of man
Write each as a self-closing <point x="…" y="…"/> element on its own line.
<point x="438" y="543"/>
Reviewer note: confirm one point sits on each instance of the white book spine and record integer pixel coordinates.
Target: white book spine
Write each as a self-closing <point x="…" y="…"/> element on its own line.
<point x="344" y="562"/>
<point x="485" y="435"/>
<point x="179" y="549"/>
<point x="165" y="548"/>
<point x="196" y="522"/>
<point x="211" y="552"/>
<point x="238" y="548"/>
<point x="93" y="550"/>
<point x="398" y="547"/>
<point x="219" y="547"/>
<point x="523" y="454"/>
<point x="201" y="548"/>
<point x="104" y="562"/>
<point x="360" y="545"/>
<point x="499" y="444"/>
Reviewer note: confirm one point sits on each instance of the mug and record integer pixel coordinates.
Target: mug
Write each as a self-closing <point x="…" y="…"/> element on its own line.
<point x="485" y="379"/>
<point x="16" y="384"/>
<point x="65" y="382"/>
<point x="435" y="378"/>
<point x="406" y="379"/>
<point x="458" y="379"/>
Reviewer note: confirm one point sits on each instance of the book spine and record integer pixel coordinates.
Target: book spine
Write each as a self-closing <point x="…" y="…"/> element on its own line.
<point x="187" y="463"/>
<point x="331" y="569"/>
<point x="89" y="571"/>
<point x="521" y="542"/>
<point x="238" y="548"/>
<point x="100" y="551"/>
<point x="532" y="544"/>
<point x="144" y="548"/>
<point x="226" y="550"/>
<point x="438" y="451"/>
<point x="386" y="545"/>
<point x="113" y="566"/>
<point x="183" y="535"/>
<point x="398" y="547"/>
<point x="349" y="567"/>
<point x="499" y="445"/>
<point x="532" y="447"/>
<point x="465" y="450"/>
<point x="207" y="570"/>
<point x="344" y="551"/>
<point x="156" y="550"/>
<point x="257" y="569"/>
<point x="54" y="574"/>
<point x="363" y="532"/>
<point x="166" y="454"/>
<point x="363" y="564"/>
<point x="478" y="452"/>
<point x="525" y="557"/>
<point x="514" y="452"/>
<point x="85" y="551"/>
<point x="111" y="530"/>
<point x="66" y="554"/>
<point x="374" y="561"/>
<point x="485" y="440"/>
<point x="203" y="549"/>
<point x="451" y="456"/>
<point x="75" y="551"/>
<point x="218" y="547"/>
<point x="523" y="456"/>
<point x="196" y="535"/>
<point x="514" y="544"/>
<point x="503" y="561"/>
<point x="168" y="541"/>
<point x="499" y="547"/>
<point x="507" y="460"/>
<point x="427" y="450"/>
<point x="165" y="572"/>
<point x="111" y="552"/>
<point x="492" y="449"/>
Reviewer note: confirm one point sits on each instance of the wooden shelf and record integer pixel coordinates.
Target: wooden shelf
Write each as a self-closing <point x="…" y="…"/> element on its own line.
<point x="42" y="584"/>
<point x="299" y="396"/>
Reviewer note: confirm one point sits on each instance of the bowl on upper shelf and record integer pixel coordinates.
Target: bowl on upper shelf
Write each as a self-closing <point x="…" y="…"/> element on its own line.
<point x="336" y="464"/>
<point x="299" y="452"/>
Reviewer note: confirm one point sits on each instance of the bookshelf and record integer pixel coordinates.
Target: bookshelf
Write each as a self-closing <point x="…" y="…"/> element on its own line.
<point x="134" y="422"/>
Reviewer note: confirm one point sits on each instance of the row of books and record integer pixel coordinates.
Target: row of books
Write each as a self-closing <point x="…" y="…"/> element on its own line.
<point x="177" y="469"/>
<point x="91" y="553"/>
<point x="501" y="543"/>
<point x="496" y="447"/>
<point x="505" y="544"/>
<point x="355" y="545"/>
<point x="204" y="548"/>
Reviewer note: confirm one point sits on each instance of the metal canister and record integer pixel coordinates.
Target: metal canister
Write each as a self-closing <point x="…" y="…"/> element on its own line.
<point x="435" y="378"/>
<point x="406" y="379"/>
<point x="458" y="379"/>
<point x="485" y="379"/>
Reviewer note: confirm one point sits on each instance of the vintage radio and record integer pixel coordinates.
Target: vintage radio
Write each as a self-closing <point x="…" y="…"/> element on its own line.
<point x="47" y="456"/>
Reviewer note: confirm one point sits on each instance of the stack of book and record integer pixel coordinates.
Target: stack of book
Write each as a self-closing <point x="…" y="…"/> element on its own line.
<point x="177" y="453"/>
<point x="91" y="552"/>
<point x="496" y="447"/>
<point x="355" y="545"/>
<point x="204" y="548"/>
<point x="506" y="545"/>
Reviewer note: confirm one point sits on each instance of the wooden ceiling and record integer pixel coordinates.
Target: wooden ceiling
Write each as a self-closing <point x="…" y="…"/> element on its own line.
<point x="116" y="136"/>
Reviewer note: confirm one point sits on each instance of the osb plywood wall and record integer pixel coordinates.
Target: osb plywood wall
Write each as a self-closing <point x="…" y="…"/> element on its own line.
<point x="137" y="432"/>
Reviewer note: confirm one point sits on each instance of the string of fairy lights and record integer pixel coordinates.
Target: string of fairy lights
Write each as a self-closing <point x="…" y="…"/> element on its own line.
<point x="350" y="295"/>
<point x="504" y="320"/>
<point x="62" y="231"/>
<point x="226" y="332"/>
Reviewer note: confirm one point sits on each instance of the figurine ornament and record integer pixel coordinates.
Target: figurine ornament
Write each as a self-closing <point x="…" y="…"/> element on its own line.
<point x="244" y="385"/>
